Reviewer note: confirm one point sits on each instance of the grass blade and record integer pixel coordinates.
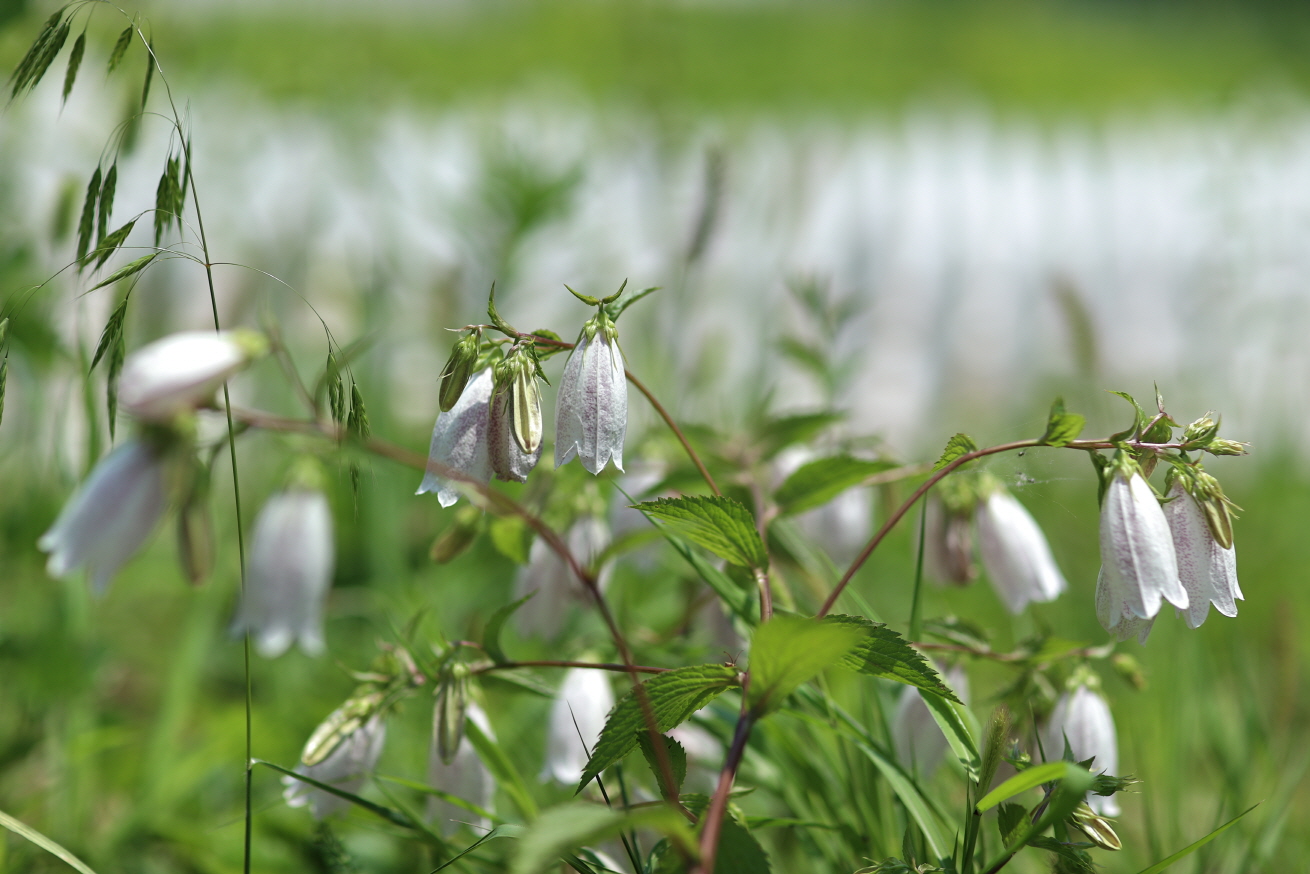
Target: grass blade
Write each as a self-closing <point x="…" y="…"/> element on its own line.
<point x="24" y="830"/>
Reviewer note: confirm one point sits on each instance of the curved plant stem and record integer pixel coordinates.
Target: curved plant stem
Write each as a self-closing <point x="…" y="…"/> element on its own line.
<point x="677" y="432"/>
<point x="552" y="663"/>
<point x="713" y="827"/>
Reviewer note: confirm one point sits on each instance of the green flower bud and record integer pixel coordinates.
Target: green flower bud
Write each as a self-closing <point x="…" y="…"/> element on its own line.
<point x="1202" y="431"/>
<point x="448" y="715"/>
<point x="1225" y="447"/>
<point x="463" y="358"/>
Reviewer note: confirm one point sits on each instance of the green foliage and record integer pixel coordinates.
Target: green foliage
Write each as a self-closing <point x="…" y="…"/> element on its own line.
<point x="721" y="525"/>
<point x="74" y="61"/>
<point x="86" y="225"/>
<point x="121" y="46"/>
<point x="562" y="829"/>
<point x="953" y="718"/>
<point x="23" y="830"/>
<point x="960" y="444"/>
<point x="1062" y="427"/>
<point x="788" y="651"/>
<point x="882" y="652"/>
<point x="670" y="700"/>
<point x="675" y="755"/>
<point x="1195" y="845"/>
<point x="818" y="482"/>
<point x="41" y="54"/>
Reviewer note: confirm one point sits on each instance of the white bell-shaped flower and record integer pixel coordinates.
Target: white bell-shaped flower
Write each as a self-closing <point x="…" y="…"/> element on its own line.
<point x="1139" y="569"/>
<point x="182" y="371"/>
<point x="558" y="590"/>
<point x="577" y="717"/>
<point x="1207" y="571"/>
<point x="917" y="737"/>
<point x="109" y="518"/>
<point x="591" y="412"/>
<point x="1015" y="553"/>
<point x="465" y="777"/>
<point x="1084" y="718"/>
<point x="347" y="767"/>
<point x="289" y="573"/>
<point x="459" y="440"/>
<point x="948" y="543"/>
<point x="514" y="426"/>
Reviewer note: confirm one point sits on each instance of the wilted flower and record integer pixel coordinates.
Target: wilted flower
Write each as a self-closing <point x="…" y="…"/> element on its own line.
<point x="289" y="573"/>
<point x="1084" y="718"/>
<point x="111" y="515"/>
<point x="591" y="414"/>
<point x="345" y="767"/>
<point x="182" y="371"/>
<point x="459" y="440"/>
<point x="557" y="587"/>
<point x="917" y="736"/>
<point x="1015" y="554"/>
<point x="948" y="543"/>
<point x="1207" y="571"/>
<point x="581" y="706"/>
<point x="514" y="427"/>
<point x="1139" y="569"/>
<point x="465" y="776"/>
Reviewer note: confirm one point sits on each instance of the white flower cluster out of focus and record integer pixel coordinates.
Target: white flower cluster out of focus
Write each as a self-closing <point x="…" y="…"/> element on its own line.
<point x="1082" y="717"/>
<point x="123" y="498"/>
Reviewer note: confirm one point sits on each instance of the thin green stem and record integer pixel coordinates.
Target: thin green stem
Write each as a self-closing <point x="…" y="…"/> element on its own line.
<point x="915" y="612"/>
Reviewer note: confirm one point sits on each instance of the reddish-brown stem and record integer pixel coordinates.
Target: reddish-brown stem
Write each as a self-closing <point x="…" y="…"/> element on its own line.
<point x="551" y="663"/>
<point x="709" y="837"/>
<point x="677" y="432"/>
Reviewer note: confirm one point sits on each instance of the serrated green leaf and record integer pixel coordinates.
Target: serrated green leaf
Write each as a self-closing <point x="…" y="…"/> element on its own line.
<point x="960" y="444"/>
<point x="491" y="634"/>
<point x="884" y="653"/>
<point x="1062" y="428"/>
<point x="86" y="225"/>
<point x="1009" y="820"/>
<point x="120" y="47"/>
<point x="126" y="270"/>
<point x="777" y="434"/>
<point x="1195" y="845"/>
<point x="512" y="538"/>
<point x="110" y="243"/>
<point x="74" y="61"/>
<point x="739" y="852"/>
<point x="24" y="830"/>
<point x="570" y="826"/>
<point x="1139" y="417"/>
<point x="953" y="719"/>
<point x="788" y="651"/>
<point x="818" y="482"/>
<point x="677" y="757"/>
<point x="737" y="598"/>
<point x="107" y="201"/>
<point x="673" y="697"/>
<point x="721" y="525"/>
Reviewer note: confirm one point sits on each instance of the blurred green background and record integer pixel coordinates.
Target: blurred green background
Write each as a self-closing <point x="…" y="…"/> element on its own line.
<point x="121" y="718"/>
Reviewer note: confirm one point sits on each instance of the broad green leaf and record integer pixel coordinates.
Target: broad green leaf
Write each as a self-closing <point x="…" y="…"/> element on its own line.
<point x="24" y="830"/>
<point x="884" y="653"/>
<point x="126" y="270"/>
<point x="491" y="636"/>
<point x="818" y="482"/>
<point x="120" y="47"/>
<point x="960" y="444"/>
<point x="74" y="61"/>
<point x="677" y="758"/>
<point x="567" y="827"/>
<point x="1196" y="845"/>
<point x="86" y="225"/>
<point x="788" y="651"/>
<point x="721" y="525"/>
<point x="1067" y="795"/>
<point x="673" y="697"/>
<point x="1062" y="427"/>
<point x="778" y="434"/>
<point x="1009" y="821"/>
<point x="507" y="776"/>
<point x="953" y="718"/>
<point x="1027" y="779"/>
<point x="739" y="853"/>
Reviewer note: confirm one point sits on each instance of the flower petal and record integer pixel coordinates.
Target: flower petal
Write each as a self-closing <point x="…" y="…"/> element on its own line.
<point x="459" y="440"/>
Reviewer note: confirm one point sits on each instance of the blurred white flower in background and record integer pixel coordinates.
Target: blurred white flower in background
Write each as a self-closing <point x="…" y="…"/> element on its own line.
<point x="1084" y="718"/>
<point x="182" y="371"/>
<point x="918" y="738"/>
<point x="948" y="543"/>
<point x="459" y="440"/>
<point x="108" y="519"/>
<point x="289" y="573"/>
<point x="347" y="767"/>
<point x="577" y="717"/>
<point x="557" y="588"/>
<point x="1015" y="553"/>
<point x="465" y="777"/>
<point x="1207" y="570"/>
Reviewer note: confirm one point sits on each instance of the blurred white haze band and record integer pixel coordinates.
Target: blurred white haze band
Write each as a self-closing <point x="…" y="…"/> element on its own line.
<point x="1185" y="238"/>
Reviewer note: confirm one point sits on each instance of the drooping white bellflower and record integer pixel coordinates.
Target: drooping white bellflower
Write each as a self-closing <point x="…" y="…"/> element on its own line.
<point x="182" y="371"/>
<point x="1015" y="553"/>
<point x="917" y="736"/>
<point x="111" y="515"/>
<point x="1139" y="569"/>
<point x="557" y="588"/>
<point x="591" y="412"/>
<point x="1084" y="718"/>
<point x="581" y="706"/>
<point x="1207" y="571"/>
<point x="465" y="777"/>
<point x="289" y="573"/>
<point x="514" y="425"/>
<point x="347" y="767"/>
<point x="948" y="543"/>
<point x="459" y="440"/>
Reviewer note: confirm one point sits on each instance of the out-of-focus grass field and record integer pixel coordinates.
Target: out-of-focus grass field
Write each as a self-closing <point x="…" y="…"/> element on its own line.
<point x="121" y="718"/>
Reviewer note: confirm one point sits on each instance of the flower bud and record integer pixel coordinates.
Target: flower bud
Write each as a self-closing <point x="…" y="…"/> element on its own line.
<point x="1207" y="570"/>
<point x="1226" y="447"/>
<point x="464" y="776"/>
<point x="109" y="518"/>
<point x="1015" y="553"/>
<point x="576" y="720"/>
<point x="1202" y="431"/>
<point x="182" y="371"/>
<point x="448" y="714"/>
<point x="1083" y="717"/>
<point x="514" y="425"/>
<point x="458" y="369"/>
<point x="459" y="440"/>
<point x="347" y="763"/>
<point x="591" y="415"/>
